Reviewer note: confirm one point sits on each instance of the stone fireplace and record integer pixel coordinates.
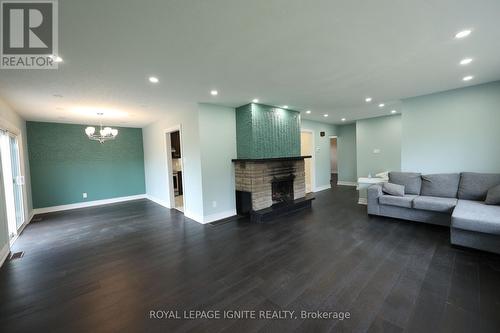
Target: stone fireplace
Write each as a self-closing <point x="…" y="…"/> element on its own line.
<point x="270" y="187"/>
<point x="269" y="171"/>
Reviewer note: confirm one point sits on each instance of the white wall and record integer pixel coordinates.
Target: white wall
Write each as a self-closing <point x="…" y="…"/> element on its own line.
<point x="157" y="178"/>
<point x="322" y="169"/>
<point x="208" y="138"/>
<point x="217" y="125"/>
<point x="11" y="121"/>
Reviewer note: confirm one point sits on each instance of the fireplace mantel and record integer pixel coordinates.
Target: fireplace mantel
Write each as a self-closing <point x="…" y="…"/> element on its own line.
<point x="272" y="159"/>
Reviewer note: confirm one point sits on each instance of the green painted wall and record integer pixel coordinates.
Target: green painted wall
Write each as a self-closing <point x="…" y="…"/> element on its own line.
<point x="346" y="153"/>
<point x="322" y="167"/>
<point x="264" y="131"/>
<point x="453" y="131"/>
<point x="64" y="163"/>
<point x="381" y="134"/>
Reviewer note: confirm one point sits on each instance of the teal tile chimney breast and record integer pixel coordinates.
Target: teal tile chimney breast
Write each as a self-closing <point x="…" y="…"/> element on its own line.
<point x="264" y="131"/>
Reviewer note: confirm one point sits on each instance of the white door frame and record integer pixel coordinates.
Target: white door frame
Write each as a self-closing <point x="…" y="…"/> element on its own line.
<point x="168" y="160"/>
<point x="313" y="158"/>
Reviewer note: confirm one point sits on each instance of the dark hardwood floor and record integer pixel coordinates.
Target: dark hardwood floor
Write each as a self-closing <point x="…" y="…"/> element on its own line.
<point x="104" y="269"/>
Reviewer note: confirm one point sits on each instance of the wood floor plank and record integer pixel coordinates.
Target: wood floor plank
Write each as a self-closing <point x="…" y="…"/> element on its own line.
<point x="103" y="269"/>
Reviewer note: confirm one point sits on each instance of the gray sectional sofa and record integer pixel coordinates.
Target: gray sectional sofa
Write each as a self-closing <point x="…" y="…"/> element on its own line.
<point x="454" y="200"/>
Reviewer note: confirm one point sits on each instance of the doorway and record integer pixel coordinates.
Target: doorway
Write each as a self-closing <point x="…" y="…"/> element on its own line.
<point x="307" y="149"/>
<point x="174" y="168"/>
<point x="13" y="182"/>
<point x="333" y="161"/>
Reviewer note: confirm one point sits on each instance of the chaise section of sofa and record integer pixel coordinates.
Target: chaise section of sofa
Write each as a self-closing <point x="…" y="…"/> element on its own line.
<point x="474" y="223"/>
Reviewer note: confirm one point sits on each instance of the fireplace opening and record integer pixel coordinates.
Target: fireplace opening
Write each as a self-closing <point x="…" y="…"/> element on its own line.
<point x="282" y="189"/>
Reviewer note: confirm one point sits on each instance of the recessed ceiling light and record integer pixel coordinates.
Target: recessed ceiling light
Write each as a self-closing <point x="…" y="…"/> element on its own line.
<point x="255" y="100"/>
<point x="325" y="115"/>
<point x="463" y="34"/>
<point x="468" y="78"/>
<point x="393" y="111"/>
<point x="214" y="92"/>
<point x="308" y="111"/>
<point x="153" y="79"/>
<point x="343" y="119"/>
<point x="368" y="99"/>
<point x="285" y="106"/>
<point x="381" y="105"/>
<point x="465" y="61"/>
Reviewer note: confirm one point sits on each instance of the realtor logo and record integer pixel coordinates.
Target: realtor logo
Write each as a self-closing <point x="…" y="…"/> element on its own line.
<point x="29" y="34"/>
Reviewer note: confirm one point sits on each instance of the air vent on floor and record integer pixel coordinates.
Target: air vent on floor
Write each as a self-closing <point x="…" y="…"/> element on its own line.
<point x="16" y="255"/>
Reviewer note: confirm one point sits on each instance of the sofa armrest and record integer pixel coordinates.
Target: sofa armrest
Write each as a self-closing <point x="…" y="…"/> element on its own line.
<point x="373" y="193"/>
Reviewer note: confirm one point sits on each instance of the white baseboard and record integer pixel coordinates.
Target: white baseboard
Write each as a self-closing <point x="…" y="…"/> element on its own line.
<point x="344" y="183"/>
<point x="322" y="188"/>
<point x="4" y="253"/>
<point x="210" y="218"/>
<point x="219" y="216"/>
<point x="158" y="201"/>
<point x="363" y="201"/>
<point x="193" y="216"/>
<point x="87" y="204"/>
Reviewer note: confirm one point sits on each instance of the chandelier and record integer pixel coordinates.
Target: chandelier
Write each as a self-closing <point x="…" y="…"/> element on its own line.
<point x="105" y="134"/>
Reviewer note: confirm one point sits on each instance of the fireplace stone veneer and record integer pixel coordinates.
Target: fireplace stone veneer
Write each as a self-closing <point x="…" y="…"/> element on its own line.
<point x="255" y="178"/>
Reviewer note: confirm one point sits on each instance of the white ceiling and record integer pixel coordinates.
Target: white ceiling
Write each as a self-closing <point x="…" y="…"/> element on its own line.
<point x="326" y="56"/>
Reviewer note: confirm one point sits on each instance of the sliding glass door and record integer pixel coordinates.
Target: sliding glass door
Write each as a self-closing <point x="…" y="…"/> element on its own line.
<point x="13" y="181"/>
<point x="17" y="180"/>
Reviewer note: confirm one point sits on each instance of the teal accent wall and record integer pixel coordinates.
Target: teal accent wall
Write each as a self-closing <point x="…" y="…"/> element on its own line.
<point x="322" y="167"/>
<point x="64" y="163"/>
<point x="384" y="135"/>
<point x="264" y="131"/>
<point x="346" y="153"/>
<point x="453" y="131"/>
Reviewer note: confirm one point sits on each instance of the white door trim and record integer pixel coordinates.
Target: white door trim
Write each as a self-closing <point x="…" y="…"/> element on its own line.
<point x="168" y="152"/>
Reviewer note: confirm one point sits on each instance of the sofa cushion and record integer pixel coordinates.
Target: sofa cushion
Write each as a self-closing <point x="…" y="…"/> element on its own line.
<point x="493" y="196"/>
<point x="410" y="180"/>
<point x="475" y="186"/>
<point x="435" y="204"/>
<point x="440" y="185"/>
<point x="476" y="216"/>
<point x="391" y="200"/>
<point x="393" y="189"/>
